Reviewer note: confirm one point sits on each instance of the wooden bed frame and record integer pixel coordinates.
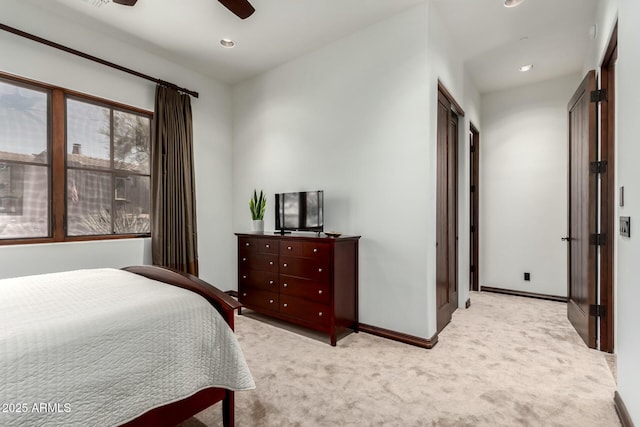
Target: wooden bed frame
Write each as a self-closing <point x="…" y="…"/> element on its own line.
<point x="177" y="412"/>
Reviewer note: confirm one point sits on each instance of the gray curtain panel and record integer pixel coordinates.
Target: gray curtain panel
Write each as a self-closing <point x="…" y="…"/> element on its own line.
<point x="174" y="230"/>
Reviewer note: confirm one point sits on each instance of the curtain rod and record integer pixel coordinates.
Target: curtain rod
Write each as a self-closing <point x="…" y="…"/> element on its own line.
<point x="94" y="59"/>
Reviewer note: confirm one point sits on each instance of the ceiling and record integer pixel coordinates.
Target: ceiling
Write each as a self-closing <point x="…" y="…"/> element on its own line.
<point x="277" y="32"/>
<point x="488" y="35"/>
<point x="553" y="35"/>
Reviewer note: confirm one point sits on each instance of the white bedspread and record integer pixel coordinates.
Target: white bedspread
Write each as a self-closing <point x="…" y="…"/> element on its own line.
<point x="101" y="347"/>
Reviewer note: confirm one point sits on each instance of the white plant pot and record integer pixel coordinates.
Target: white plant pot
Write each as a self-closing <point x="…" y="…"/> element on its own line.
<point x="258" y="225"/>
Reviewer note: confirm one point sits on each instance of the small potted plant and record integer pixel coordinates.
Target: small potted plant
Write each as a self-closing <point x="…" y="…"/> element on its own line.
<point x="257" y="206"/>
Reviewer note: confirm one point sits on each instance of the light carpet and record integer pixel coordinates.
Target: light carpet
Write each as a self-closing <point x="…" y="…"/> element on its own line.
<point x="505" y="361"/>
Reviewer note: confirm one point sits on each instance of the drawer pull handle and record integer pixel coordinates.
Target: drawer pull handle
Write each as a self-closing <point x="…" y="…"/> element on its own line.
<point x="319" y="270"/>
<point x="320" y="292"/>
<point x="244" y="259"/>
<point x="244" y="294"/>
<point x="270" y="262"/>
<point x="247" y="244"/>
<point x="320" y="314"/>
<point x="271" y="282"/>
<point x="267" y="245"/>
<point x="285" y="264"/>
<point x="285" y="285"/>
<point x="270" y="301"/>
<point x="244" y="277"/>
<point x="289" y="248"/>
<point x="285" y="305"/>
<point x="315" y="250"/>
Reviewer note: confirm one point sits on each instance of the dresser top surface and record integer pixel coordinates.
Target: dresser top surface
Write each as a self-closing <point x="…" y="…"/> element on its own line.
<point x="302" y="236"/>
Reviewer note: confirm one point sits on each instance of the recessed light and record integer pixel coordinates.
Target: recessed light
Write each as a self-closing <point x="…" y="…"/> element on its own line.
<point x="512" y="3"/>
<point x="228" y="43"/>
<point x="526" y="67"/>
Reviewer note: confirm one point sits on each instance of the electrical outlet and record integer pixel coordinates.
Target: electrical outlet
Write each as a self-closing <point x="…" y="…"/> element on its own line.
<point x="527" y="277"/>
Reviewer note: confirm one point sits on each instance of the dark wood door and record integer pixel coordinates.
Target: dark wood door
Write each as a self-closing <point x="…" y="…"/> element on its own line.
<point x="582" y="267"/>
<point x="474" y="217"/>
<point x="446" y="213"/>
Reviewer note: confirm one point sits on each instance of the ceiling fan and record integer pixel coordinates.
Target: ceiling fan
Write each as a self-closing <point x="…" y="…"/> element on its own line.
<point x="241" y="8"/>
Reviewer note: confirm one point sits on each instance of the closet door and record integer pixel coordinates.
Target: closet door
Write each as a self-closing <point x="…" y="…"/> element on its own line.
<point x="581" y="251"/>
<point x="446" y="213"/>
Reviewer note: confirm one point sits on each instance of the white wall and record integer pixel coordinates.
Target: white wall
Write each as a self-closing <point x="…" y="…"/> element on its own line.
<point x="355" y="119"/>
<point x="472" y="115"/>
<point x="352" y="119"/>
<point x="49" y="258"/>
<point x="212" y="138"/>
<point x="606" y="15"/>
<point x="628" y="175"/>
<point x="523" y="187"/>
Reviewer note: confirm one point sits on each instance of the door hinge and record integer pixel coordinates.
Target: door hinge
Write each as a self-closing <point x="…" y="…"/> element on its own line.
<point x="473" y="188"/>
<point x="598" y="167"/>
<point x="473" y="228"/>
<point x="473" y="148"/>
<point x="597" y="310"/>
<point x="598" y="239"/>
<point x="473" y="269"/>
<point x="599" y="95"/>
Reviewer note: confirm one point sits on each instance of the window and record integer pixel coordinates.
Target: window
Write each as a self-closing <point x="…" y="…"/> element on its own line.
<point x="71" y="167"/>
<point x="24" y="161"/>
<point x="108" y="178"/>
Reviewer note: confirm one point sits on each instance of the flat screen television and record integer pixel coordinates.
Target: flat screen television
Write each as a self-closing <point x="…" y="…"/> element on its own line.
<point x="300" y="211"/>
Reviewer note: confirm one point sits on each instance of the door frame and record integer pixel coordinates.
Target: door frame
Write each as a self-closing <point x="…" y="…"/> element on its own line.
<point x="607" y="192"/>
<point x="454" y="205"/>
<point x="474" y="208"/>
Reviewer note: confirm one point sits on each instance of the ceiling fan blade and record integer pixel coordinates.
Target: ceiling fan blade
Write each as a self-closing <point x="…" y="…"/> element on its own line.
<point x="125" y="2"/>
<point x="242" y="8"/>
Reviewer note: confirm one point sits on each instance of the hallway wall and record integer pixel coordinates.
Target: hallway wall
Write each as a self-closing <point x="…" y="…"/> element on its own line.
<point x="628" y="175"/>
<point x="523" y="182"/>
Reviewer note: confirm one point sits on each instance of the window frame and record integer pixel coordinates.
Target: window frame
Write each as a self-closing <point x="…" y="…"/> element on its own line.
<point x="56" y="132"/>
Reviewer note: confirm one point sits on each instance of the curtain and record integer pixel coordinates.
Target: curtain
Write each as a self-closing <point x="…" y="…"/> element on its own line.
<point x="174" y="231"/>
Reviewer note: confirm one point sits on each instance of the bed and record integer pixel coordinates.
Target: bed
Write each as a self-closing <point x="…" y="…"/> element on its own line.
<point x="141" y="346"/>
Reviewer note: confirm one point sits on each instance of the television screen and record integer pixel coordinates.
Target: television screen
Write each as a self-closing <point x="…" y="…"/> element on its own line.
<point x="300" y="211"/>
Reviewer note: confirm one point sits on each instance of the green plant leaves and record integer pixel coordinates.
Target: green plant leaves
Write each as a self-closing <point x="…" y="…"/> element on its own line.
<point x="257" y="205"/>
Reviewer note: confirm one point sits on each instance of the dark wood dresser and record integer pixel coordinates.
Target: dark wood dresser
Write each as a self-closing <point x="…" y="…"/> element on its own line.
<point x="307" y="280"/>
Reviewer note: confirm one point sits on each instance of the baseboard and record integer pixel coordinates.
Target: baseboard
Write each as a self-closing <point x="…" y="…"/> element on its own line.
<point x="399" y="336"/>
<point x="621" y="409"/>
<point x="468" y="303"/>
<point x="523" y="294"/>
<point x="232" y="293"/>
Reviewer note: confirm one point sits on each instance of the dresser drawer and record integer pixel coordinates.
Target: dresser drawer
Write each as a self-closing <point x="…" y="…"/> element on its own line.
<point x="262" y="299"/>
<point x="304" y="288"/>
<point x="291" y="248"/>
<point x="305" y="310"/>
<point x="259" y="279"/>
<point x="248" y="246"/>
<point x="258" y="261"/>
<point x="317" y="251"/>
<point x="316" y="270"/>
